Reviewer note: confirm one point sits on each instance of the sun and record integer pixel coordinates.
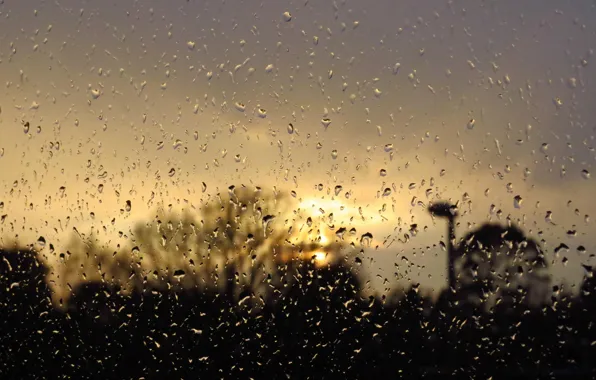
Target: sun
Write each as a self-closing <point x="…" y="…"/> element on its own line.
<point x="319" y="257"/>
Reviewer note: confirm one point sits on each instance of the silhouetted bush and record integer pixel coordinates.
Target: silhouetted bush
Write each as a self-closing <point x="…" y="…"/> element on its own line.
<point x="316" y="325"/>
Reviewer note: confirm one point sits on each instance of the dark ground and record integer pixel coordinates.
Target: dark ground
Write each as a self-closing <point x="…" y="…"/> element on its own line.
<point x="319" y="327"/>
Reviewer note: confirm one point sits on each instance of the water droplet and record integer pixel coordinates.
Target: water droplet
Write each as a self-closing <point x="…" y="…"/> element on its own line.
<point x="388" y="148"/>
<point x="179" y="274"/>
<point x="191" y="45"/>
<point x="585" y="174"/>
<point x="100" y="188"/>
<point x="319" y="145"/>
<point x="471" y="123"/>
<point x="326" y="122"/>
<point x="544" y="147"/>
<point x="334" y="154"/>
<point x="204" y="187"/>
<point x="387" y="192"/>
<point x="261" y="113"/>
<point x="382" y="172"/>
<point x="95" y="93"/>
<point x="517" y="201"/>
<point x="338" y="189"/>
<point x="267" y="219"/>
<point x="290" y="128"/>
<point x="196" y="135"/>
<point x="177" y="144"/>
<point x="41" y="241"/>
<point x="378" y="93"/>
<point x="172" y="172"/>
<point x="128" y="206"/>
<point x="340" y="233"/>
<point x="269" y="68"/>
<point x="287" y="17"/>
<point x="160" y="145"/>
<point x="366" y="239"/>
<point x="26" y="127"/>
<point x="240" y="106"/>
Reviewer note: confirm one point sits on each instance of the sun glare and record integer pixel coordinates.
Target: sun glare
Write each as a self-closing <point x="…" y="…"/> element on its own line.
<point x="319" y="257"/>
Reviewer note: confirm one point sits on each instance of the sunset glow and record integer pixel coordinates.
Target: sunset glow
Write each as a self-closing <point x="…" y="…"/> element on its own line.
<point x="320" y="258"/>
<point x="297" y="189"/>
<point x="362" y="141"/>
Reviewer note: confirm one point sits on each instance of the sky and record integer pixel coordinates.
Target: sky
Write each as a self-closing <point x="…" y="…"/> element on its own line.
<point x="472" y="101"/>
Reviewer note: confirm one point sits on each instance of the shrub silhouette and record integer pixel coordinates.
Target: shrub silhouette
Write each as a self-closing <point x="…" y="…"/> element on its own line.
<point x="311" y="322"/>
<point x="27" y="320"/>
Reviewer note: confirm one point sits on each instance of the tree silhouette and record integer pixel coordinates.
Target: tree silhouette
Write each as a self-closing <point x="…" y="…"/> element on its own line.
<point x="318" y="325"/>
<point x="242" y="243"/>
<point x="209" y="299"/>
<point x="27" y="319"/>
<point x="168" y="251"/>
<point x="501" y="266"/>
<point x="244" y="232"/>
<point x="498" y="264"/>
<point x="88" y="260"/>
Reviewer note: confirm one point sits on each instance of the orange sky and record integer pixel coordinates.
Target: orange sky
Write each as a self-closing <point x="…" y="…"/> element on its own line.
<point x="124" y="92"/>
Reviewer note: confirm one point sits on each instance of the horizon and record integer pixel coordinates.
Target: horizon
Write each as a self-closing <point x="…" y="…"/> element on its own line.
<point x="491" y="103"/>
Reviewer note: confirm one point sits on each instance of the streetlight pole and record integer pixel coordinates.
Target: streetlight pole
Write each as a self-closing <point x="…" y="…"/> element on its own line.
<point x="448" y="211"/>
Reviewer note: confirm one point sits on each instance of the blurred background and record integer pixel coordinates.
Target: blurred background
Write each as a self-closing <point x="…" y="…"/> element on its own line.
<point x="362" y="112"/>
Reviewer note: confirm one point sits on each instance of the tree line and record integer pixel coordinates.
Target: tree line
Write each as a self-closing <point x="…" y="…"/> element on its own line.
<point x="238" y="293"/>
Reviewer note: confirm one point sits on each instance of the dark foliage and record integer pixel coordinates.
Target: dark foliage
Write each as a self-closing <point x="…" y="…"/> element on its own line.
<point x="318" y="326"/>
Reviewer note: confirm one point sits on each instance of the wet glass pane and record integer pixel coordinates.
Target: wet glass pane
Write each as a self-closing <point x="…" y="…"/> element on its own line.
<point x="297" y="189"/>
